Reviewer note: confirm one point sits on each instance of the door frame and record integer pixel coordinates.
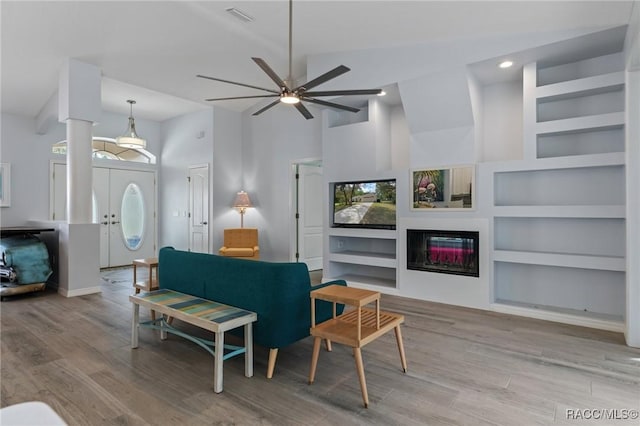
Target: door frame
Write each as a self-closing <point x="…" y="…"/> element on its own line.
<point x="209" y="206"/>
<point x="293" y="207"/>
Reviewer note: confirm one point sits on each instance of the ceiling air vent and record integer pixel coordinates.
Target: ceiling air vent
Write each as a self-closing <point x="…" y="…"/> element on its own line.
<point x="238" y="14"/>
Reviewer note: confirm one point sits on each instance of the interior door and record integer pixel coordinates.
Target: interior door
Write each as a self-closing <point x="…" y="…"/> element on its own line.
<point x="131" y="217"/>
<point x="310" y="215"/>
<point x="199" y="209"/>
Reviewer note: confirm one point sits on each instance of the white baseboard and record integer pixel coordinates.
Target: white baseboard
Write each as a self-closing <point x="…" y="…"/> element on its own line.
<point x="600" y="324"/>
<point x="79" y="292"/>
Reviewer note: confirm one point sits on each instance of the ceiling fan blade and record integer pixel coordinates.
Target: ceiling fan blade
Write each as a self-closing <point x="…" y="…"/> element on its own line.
<point x="337" y="71"/>
<point x="272" y="104"/>
<point x="331" y="104"/>
<point x="241" y="97"/>
<point x="271" y="73"/>
<point x="343" y="92"/>
<point x="303" y="110"/>
<point x="238" y="84"/>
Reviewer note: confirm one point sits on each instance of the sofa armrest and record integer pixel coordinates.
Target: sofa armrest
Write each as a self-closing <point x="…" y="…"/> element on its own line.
<point x="256" y="249"/>
<point x="322" y="285"/>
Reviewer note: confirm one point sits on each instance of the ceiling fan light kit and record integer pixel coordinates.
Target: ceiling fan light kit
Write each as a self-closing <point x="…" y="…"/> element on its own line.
<point x="294" y="96"/>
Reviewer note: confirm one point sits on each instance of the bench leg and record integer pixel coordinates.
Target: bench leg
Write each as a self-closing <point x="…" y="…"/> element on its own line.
<point x="363" y="383"/>
<point x="248" y="350"/>
<point x="217" y="362"/>
<point x="314" y="358"/>
<point x="403" y="359"/>
<point x="163" y="330"/>
<point x="327" y="343"/>
<point x="273" y="354"/>
<point x="134" y="325"/>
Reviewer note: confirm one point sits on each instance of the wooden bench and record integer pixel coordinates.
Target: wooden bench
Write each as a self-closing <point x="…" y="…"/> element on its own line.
<point x="203" y="313"/>
<point x="355" y="328"/>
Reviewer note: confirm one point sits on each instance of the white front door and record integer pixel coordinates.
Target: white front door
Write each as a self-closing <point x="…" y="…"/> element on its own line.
<point x="199" y="209"/>
<point x="310" y="215"/>
<point x="101" y="211"/>
<point x="124" y="206"/>
<point x="131" y="217"/>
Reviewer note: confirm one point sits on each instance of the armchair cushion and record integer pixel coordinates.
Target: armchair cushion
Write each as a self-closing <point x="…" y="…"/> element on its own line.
<point x="240" y="242"/>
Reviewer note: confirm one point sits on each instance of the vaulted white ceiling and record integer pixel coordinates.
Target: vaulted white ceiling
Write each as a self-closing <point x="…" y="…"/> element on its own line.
<point x="151" y="51"/>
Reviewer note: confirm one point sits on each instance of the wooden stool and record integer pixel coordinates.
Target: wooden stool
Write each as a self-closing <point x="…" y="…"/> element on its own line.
<point x="354" y="328"/>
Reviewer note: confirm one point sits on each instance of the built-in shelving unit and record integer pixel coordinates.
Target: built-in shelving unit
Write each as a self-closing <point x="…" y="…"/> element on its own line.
<point x="559" y="215"/>
<point x="363" y="257"/>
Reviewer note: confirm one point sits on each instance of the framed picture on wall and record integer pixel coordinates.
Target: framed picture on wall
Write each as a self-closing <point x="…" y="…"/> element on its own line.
<point x="5" y="184"/>
<point x="444" y="188"/>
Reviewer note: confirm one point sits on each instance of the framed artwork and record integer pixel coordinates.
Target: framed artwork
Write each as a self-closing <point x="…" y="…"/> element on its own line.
<point x="443" y="189"/>
<point x="5" y="184"/>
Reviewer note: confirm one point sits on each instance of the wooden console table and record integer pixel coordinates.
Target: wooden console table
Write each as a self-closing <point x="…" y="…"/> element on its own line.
<point x="355" y="328"/>
<point x="203" y="313"/>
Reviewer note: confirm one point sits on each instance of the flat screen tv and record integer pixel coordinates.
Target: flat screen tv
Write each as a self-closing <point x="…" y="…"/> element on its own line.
<point x="365" y="204"/>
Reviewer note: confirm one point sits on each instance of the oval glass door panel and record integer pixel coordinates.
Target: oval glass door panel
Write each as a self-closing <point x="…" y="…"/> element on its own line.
<point x="132" y="216"/>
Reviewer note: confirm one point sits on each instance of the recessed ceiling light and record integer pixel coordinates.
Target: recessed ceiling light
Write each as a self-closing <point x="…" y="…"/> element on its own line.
<point x="505" y="64"/>
<point x="239" y="14"/>
<point x="382" y="93"/>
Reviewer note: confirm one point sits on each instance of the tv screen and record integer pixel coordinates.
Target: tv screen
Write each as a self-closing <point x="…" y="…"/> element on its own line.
<point x="365" y="204"/>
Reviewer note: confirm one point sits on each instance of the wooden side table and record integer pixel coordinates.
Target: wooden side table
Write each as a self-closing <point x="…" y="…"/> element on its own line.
<point x="354" y="328"/>
<point x="151" y="283"/>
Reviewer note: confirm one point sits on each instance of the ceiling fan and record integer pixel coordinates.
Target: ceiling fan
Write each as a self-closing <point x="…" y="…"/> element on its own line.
<point x="289" y="94"/>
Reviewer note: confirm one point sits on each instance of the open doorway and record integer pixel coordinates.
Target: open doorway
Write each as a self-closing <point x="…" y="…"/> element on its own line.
<point x="307" y="213"/>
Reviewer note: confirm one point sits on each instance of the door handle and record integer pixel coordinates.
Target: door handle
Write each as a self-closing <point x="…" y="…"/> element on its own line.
<point x="204" y="223"/>
<point x="114" y="222"/>
<point x="106" y="222"/>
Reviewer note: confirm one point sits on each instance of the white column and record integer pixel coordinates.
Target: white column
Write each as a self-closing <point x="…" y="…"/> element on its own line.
<point x="79" y="171"/>
<point x="79" y="106"/>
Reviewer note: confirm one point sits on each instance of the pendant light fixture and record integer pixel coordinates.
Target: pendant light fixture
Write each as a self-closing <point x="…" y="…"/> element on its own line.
<point x="130" y="138"/>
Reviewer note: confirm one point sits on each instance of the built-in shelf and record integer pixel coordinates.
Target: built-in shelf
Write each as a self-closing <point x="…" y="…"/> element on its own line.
<point x="607" y="121"/>
<point x="588" y="86"/>
<point x="389" y="234"/>
<point x="383" y="260"/>
<point x="548" y="260"/>
<point x="363" y="256"/>
<point x="606" y="211"/>
<point x="366" y="281"/>
<point x="607" y="263"/>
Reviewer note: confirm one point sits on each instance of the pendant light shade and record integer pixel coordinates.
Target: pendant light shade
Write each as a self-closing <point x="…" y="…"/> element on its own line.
<point x="130" y="138"/>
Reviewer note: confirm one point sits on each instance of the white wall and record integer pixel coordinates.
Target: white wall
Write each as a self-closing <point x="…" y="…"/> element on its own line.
<point x="187" y="140"/>
<point x="632" y="170"/>
<point x="226" y="174"/>
<point x="399" y="139"/>
<point x="271" y="142"/>
<point x="502" y="128"/>
<point x="29" y="155"/>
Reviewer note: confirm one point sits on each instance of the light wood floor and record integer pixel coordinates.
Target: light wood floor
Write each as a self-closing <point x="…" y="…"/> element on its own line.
<point x="466" y="367"/>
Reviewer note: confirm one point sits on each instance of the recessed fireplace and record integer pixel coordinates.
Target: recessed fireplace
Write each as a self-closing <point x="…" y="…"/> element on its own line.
<point x="447" y="252"/>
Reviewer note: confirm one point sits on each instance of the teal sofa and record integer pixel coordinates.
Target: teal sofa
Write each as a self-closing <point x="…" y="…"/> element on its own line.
<point x="277" y="292"/>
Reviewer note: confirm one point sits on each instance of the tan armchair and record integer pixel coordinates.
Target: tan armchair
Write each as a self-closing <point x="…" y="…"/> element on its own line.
<point x="241" y="242"/>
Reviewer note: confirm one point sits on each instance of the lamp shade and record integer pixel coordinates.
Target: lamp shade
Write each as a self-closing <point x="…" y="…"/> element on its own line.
<point x="242" y="200"/>
<point x="130" y="138"/>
